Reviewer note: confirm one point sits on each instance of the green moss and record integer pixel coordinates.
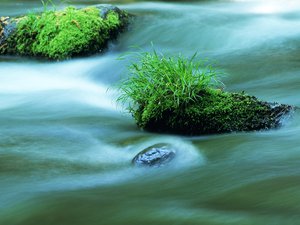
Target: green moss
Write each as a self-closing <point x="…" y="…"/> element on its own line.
<point x="217" y="112"/>
<point x="64" y="34"/>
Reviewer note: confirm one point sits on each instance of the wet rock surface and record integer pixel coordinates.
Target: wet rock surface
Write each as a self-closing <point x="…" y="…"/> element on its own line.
<point x="106" y="8"/>
<point x="222" y="112"/>
<point x="7" y="27"/>
<point x="155" y="156"/>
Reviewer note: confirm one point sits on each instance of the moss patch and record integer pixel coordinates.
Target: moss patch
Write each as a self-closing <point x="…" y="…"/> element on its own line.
<point x="216" y="111"/>
<point x="64" y="34"/>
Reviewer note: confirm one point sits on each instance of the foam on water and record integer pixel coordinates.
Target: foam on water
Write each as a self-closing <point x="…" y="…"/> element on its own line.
<point x="57" y="83"/>
<point x="218" y="28"/>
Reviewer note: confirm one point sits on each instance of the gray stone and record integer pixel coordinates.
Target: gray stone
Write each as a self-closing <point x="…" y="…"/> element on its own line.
<point x="6" y="28"/>
<point x="155" y="156"/>
<point x="106" y="8"/>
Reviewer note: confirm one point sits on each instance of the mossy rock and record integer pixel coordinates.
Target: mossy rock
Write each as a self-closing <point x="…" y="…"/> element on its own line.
<point x="184" y="96"/>
<point x="216" y="111"/>
<point x="62" y="34"/>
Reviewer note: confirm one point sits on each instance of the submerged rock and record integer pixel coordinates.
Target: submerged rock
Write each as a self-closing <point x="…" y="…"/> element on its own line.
<point x="155" y="156"/>
<point x="216" y="111"/>
<point x="62" y="34"/>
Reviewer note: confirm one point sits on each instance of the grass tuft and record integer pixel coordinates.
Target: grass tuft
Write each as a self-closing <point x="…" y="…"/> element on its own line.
<point x="158" y="83"/>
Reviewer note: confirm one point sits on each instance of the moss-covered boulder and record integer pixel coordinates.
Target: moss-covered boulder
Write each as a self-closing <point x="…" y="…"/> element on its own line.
<point x="185" y="96"/>
<point x="216" y="111"/>
<point x="62" y="34"/>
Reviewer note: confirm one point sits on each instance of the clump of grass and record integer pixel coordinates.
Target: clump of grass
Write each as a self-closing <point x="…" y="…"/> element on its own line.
<point x="159" y="83"/>
<point x="47" y="3"/>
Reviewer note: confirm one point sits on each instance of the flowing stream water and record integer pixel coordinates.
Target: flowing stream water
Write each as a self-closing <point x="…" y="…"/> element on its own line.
<point x="66" y="147"/>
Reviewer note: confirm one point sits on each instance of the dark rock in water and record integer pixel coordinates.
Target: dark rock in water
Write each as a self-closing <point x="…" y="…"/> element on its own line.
<point x="217" y="112"/>
<point x="155" y="156"/>
<point x="106" y="8"/>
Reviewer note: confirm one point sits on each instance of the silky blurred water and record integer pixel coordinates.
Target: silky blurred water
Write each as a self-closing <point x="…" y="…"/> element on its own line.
<point x="66" y="147"/>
